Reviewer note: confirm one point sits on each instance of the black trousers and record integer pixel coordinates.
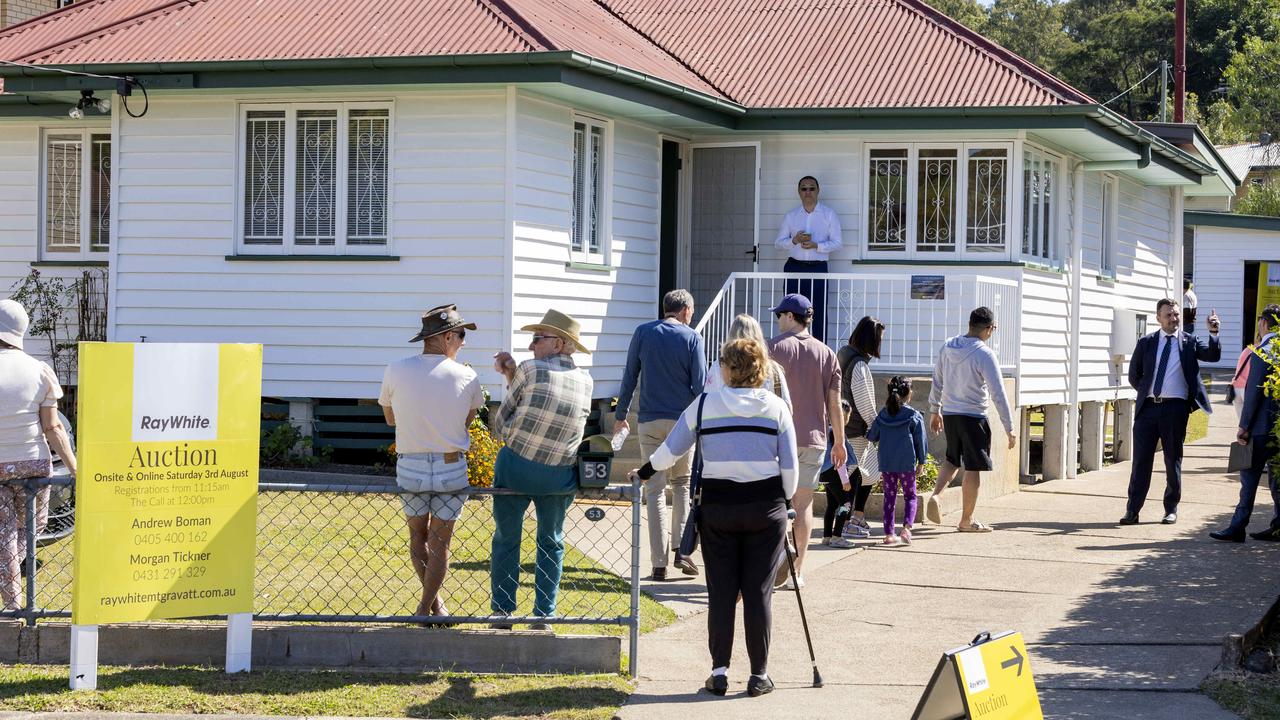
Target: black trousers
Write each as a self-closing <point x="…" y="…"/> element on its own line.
<point x="858" y="492"/>
<point x="1165" y="422"/>
<point x="815" y="290"/>
<point x="741" y="549"/>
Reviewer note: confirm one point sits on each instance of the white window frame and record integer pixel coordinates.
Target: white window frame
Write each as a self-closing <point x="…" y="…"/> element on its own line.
<point x="1056" y="199"/>
<point x="960" y="220"/>
<point x="289" y="245"/>
<point x="603" y="254"/>
<point x="86" y="251"/>
<point x="1109" y="224"/>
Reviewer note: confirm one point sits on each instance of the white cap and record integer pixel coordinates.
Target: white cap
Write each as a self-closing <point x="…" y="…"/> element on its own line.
<point x="13" y="322"/>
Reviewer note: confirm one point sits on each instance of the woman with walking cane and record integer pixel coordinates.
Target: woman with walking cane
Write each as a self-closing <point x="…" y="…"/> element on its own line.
<point x="747" y="470"/>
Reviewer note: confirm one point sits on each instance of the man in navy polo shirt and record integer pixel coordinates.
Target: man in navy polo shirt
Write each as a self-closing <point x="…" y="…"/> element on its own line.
<point x="668" y="357"/>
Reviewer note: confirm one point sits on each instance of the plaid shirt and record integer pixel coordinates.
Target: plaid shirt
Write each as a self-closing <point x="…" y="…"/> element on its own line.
<point x="545" y="411"/>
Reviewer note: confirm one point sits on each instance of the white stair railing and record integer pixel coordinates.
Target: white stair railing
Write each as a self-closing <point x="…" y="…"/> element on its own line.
<point x="916" y="325"/>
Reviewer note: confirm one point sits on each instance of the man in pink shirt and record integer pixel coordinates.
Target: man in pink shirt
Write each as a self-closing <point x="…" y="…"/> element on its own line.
<point x="813" y="376"/>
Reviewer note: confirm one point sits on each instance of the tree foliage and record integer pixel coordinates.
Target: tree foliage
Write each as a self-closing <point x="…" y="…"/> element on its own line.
<point x="1262" y="199"/>
<point x="1109" y="48"/>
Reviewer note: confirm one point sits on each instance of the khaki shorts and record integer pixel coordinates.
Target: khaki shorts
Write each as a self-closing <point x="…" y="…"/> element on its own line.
<point x="810" y="467"/>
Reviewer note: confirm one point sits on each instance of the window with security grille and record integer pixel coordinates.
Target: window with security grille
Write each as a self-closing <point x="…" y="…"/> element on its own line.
<point x="314" y="179"/>
<point x="937" y="199"/>
<point x="76" y="202"/>
<point x="589" y="182"/>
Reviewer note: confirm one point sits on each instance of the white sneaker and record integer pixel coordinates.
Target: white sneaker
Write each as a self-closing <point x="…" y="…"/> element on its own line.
<point x="857" y="532"/>
<point x="841" y="543"/>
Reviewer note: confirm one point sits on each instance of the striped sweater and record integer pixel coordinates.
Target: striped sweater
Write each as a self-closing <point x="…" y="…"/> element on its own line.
<point x="747" y="435"/>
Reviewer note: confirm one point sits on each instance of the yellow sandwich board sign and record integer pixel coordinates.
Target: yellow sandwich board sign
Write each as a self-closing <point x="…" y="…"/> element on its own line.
<point x="168" y="479"/>
<point x="989" y="679"/>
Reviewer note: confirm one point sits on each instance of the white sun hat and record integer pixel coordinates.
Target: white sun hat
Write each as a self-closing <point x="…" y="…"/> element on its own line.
<point x="13" y="323"/>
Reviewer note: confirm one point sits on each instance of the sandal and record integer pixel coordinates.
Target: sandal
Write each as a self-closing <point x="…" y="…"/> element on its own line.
<point x="975" y="527"/>
<point x="905" y="536"/>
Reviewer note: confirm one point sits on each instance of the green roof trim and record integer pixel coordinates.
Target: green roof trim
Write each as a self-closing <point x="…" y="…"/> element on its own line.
<point x="578" y="70"/>
<point x="1231" y="220"/>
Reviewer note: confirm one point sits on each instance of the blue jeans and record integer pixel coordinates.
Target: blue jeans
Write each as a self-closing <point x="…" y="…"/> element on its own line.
<point x="1249" y="480"/>
<point x="551" y="489"/>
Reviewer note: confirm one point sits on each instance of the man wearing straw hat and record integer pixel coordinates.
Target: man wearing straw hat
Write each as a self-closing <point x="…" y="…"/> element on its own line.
<point x="541" y="420"/>
<point x="431" y="399"/>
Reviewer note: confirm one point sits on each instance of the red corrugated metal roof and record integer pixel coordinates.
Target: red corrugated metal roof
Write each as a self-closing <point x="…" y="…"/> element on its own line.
<point x="758" y="53"/>
<point x="156" y="31"/>
<point x="842" y="54"/>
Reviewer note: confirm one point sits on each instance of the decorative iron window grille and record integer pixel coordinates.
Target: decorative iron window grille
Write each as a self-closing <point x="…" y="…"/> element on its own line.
<point x="77" y="194"/>
<point x="315" y="179"/>
<point x="987" y="217"/>
<point x="936" y="208"/>
<point x="924" y="200"/>
<point x="887" y="200"/>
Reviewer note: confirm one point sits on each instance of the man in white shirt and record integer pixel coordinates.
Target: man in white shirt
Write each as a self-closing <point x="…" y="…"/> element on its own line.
<point x="809" y="234"/>
<point x="431" y="399"/>
<point x="1165" y="370"/>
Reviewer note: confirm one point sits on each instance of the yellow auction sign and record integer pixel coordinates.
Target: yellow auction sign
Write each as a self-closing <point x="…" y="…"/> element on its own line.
<point x="166" y="494"/>
<point x="1268" y="285"/>
<point x="989" y="679"/>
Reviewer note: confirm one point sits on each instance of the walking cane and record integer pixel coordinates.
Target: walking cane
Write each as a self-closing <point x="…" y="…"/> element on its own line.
<point x="795" y="583"/>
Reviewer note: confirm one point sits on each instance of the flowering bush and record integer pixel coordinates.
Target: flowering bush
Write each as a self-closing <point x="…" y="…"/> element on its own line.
<point x="482" y="455"/>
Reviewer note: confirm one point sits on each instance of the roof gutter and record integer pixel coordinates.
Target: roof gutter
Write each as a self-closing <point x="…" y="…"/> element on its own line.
<point x="564" y="59"/>
<point x="1143" y="160"/>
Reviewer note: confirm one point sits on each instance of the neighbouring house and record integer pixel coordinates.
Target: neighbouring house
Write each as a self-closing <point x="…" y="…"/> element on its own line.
<point x="13" y="12"/>
<point x="1237" y="272"/>
<point x="1255" y="163"/>
<point x="312" y="174"/>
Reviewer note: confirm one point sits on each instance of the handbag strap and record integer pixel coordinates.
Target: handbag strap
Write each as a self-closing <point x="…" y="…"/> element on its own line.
<point x="695" y="480"/>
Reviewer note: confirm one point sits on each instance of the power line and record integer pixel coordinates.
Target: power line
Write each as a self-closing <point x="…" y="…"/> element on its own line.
<point x="64" y="71"/>
<point x="1132" y="88"/>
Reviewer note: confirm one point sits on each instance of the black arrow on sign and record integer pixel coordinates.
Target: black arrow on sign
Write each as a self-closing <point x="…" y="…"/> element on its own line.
<point x="1017" y="659"/>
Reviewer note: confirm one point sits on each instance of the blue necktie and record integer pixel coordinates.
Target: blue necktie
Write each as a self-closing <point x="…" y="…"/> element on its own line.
<point x="1163" y="365"/>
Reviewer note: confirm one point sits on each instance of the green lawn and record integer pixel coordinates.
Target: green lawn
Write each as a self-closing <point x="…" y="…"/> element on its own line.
<point x="28" y="688"/>
<point x="1252" y="697"/>
<point x="1197" y="426"/>
<point x="334" y="553"/>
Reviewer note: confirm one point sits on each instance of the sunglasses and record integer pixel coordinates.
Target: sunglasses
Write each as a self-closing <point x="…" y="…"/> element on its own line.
<point x="461" y="333"/>
<point x="536" y="338"/>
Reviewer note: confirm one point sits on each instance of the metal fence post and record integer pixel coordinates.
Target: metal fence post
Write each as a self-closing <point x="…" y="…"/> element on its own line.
<point x="32" y="491"/>
<point x="634" y="647"/>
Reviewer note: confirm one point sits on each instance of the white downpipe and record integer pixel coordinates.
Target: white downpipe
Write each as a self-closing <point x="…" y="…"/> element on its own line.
<point x="1077" y="291"/>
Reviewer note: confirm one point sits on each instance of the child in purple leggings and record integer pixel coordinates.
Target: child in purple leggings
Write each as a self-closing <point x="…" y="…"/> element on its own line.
<point x="898" y="431"/>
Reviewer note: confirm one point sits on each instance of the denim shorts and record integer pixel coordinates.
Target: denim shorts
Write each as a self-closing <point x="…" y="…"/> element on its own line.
<point x="432" y="485"/>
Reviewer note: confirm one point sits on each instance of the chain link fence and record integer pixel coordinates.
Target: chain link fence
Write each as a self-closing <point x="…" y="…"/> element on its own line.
<point x="342" y="554"/>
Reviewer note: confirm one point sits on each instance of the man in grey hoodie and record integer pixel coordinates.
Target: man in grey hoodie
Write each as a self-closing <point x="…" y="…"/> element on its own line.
<point x="966" y="378"/>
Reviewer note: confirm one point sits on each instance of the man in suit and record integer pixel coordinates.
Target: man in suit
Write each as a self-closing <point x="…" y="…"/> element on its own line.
<point x="1165" y="370"/>
<point x="1257" y="418"/>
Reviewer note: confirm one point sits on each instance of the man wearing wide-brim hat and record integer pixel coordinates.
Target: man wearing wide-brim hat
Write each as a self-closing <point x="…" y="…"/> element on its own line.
<point x="430" y="399"/>
<point x="541" y="420"/>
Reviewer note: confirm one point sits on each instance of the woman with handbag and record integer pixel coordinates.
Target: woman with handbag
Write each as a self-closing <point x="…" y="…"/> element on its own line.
<point x="29" y="429"/>
<point x="745" y="468"/>
<point x="857" y="387"/>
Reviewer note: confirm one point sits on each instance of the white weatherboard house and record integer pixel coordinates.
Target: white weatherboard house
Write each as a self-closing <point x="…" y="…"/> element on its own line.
<point x="314" y="190"/>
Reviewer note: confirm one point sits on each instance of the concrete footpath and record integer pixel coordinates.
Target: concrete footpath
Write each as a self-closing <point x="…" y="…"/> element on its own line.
<point x="1119" y="621"/>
